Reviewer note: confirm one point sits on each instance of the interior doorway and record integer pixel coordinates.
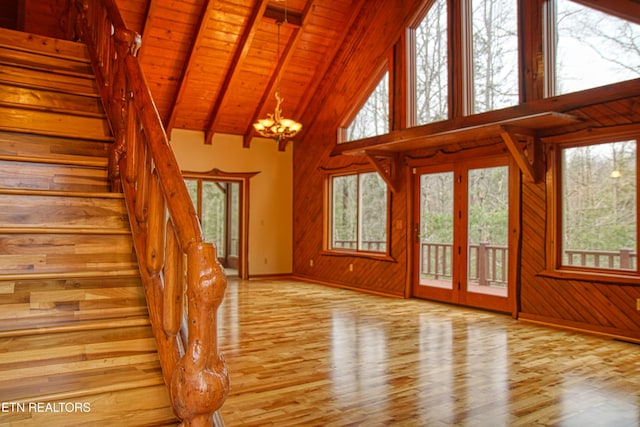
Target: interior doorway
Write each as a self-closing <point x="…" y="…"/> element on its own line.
<point x="221" y="201"/>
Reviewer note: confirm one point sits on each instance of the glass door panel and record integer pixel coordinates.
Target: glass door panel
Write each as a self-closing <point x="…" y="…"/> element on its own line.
<point x="434" y="233"/>
<point x="488" y="230"/>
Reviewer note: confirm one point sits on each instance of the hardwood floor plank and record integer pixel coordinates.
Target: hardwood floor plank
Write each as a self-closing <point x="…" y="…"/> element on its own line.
<point x="304" y="354"/>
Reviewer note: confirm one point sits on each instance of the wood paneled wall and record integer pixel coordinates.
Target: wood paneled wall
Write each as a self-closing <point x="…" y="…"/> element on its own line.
<point x="349" y="75"/>
<point x="603" y="308"/>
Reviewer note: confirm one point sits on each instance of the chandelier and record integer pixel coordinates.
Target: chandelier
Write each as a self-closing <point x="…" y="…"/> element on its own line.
<point x="275" y="126"/>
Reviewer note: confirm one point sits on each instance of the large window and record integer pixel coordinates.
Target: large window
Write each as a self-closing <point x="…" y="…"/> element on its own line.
<point x="431" y="66"/>
<point x="589" y="48"/>
<point x="359" y="205"/>
<point x="373" y="118"/>
<point x="494" y="32"/>
<point x="598" y="207"/>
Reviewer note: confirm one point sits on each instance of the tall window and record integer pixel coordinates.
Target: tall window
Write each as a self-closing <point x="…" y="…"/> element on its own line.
<point x="494" y="35"/>
<point x="431" y="66"/>
<point x="599" y="206"/>
<point x="373" y="117"/>
<point x="589" y="48"/>
<point x="358" y="212"/>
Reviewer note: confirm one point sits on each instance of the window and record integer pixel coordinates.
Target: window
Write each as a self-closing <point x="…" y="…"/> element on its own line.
<point x="431" y="66"/>
<point x="589" y="48"/>
<point x="373" y="117"/>
<point x="494" y="32"/>
<point x="598" y="207"/>
<point x="358" y="213"/>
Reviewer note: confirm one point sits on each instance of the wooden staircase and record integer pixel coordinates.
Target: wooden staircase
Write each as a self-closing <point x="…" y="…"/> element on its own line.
<point x="76" y="346"/>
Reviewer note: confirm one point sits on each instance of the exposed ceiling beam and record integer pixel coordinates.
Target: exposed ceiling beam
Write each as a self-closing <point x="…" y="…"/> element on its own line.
<point x="625" y="9"/>
<point x="207" y="7"/>
<point x="236" y="65"/>
<point x="323" y="67"/>
<point x="279" y="17"/>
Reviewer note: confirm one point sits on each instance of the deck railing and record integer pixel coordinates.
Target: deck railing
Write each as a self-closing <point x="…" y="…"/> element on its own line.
<point x="489" y="262"/>
<point x="183" y="281"/>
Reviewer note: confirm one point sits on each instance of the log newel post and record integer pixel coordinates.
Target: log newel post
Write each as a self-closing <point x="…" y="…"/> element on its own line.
<point x="200" y="382"/>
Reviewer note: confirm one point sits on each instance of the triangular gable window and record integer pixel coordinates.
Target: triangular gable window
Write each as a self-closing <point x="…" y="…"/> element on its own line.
<point x="373" y="117"/>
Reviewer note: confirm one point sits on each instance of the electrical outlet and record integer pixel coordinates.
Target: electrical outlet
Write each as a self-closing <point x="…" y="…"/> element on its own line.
<point x="638" y="304"/>
<point x="310" y="263"/>
<point x="350" y="267"/>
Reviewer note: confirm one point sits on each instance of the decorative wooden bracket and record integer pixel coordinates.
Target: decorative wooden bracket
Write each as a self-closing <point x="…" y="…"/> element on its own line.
<point x="529" y="157"/>
<point x="387" y="164"/>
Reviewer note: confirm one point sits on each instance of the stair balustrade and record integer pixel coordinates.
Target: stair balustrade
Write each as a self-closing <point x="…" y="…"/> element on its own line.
<point x="183" y="281"/>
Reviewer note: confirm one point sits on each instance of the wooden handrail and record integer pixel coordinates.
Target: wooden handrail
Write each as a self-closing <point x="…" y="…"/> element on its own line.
<point x="166" y="231"/>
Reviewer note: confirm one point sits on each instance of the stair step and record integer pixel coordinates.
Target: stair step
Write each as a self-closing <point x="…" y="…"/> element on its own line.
<point x="43" y="61"/>
<point x="96" y="367"/>
<point x="63" y="212"/>
<point x="53" y="123"/>
<point x="54" y="150"/>
<point x="56" y="305"/>
<point x="35" y="98"/>
<point x="45" y="45"/>
<point x="24" y="77"/>
<point x="60" y="253"/>
<point x="110" y="407"/>
<point x="44" y="176"/>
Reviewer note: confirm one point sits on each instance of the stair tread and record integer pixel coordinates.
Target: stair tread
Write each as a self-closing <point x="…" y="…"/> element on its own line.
<point x="54" y="123"/>
<point x="56" y="149"/>
<point x="45" y="45"/>
<point x="44" y="61"/>
<point x="31" y="303"/>
<point x="58" y="363"/>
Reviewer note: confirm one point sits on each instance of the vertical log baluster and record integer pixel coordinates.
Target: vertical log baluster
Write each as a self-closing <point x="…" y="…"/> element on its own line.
<point x="173" y="272"/>
<point x="156" y="230"/>
<point x="200" y="382"/>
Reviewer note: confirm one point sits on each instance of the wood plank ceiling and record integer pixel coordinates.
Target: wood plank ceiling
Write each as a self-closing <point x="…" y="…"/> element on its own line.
<point x="213" y="65"/>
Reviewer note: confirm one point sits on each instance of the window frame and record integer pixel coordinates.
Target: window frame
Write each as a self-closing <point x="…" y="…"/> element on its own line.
<point x="327" y="246"/>
<point x="554" y="266"/>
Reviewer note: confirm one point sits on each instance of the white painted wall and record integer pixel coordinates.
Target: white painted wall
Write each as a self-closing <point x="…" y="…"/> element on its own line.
<point x="271" y="190"/>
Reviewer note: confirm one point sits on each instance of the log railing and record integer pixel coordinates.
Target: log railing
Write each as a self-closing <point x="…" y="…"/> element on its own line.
<point x="183" y="281"/>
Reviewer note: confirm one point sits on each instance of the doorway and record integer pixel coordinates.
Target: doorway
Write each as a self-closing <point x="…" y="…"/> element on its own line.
<point x="463" y="247"/>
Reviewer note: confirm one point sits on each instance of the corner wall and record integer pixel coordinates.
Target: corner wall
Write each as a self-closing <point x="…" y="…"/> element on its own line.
<point x="270" y="191"/>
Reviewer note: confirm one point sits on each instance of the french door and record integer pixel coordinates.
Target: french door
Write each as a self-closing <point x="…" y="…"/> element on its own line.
<point x="463" y="247"/>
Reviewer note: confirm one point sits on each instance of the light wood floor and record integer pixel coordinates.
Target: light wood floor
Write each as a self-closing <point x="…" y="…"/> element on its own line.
<point x="309" y="355"/>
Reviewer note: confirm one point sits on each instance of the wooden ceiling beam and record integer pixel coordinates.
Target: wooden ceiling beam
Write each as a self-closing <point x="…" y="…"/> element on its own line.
<point x="625" y="9"/>
<point x="244" y="44"/>
<point x="280" y="15"/>
<point x="189" y="63"/>
<point x="323" y="67"/>
<point x="277" y="73"/>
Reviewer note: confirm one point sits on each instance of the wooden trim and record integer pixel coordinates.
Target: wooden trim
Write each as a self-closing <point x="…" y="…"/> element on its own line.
<point x="529" y="160"/>
<point x="387" y="165"/>
<point x="580" y="327"/>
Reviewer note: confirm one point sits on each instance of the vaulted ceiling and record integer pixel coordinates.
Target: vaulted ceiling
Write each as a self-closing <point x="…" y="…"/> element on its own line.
<point x="213" y="65"/>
